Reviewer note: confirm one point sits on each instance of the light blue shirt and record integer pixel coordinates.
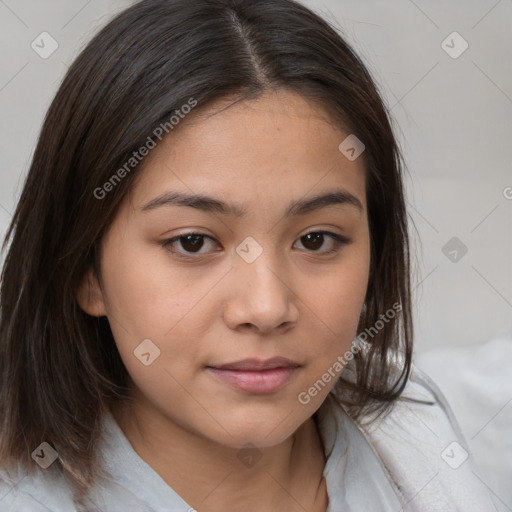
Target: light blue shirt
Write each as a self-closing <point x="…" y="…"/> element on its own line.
<point x="413" y="460"/>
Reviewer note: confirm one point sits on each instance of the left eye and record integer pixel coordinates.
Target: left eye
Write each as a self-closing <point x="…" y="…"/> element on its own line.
<point x="192" y="243"/>
<point x="316" y="239"/>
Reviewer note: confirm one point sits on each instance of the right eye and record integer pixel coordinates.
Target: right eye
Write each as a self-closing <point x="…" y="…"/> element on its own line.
<point x="191" y="243"/>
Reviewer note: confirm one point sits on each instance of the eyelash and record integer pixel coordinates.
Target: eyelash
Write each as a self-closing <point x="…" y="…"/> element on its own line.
<point x="339" y="241"/>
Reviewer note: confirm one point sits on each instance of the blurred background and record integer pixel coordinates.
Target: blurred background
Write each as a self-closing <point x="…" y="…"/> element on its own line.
<point x="445" y="71"/>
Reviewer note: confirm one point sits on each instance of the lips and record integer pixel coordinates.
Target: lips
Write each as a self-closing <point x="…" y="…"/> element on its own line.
<point x="258" y="365"/>
<point x="254" y="375"/>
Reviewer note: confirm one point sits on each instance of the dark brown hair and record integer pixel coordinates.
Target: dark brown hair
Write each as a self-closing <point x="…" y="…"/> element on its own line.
<point x="60" y="368"/>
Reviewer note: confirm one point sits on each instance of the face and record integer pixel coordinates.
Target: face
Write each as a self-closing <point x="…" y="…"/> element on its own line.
<point x="247" y="314"/>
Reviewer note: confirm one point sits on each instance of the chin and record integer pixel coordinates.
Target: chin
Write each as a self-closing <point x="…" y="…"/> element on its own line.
<point x="258" y="431"/>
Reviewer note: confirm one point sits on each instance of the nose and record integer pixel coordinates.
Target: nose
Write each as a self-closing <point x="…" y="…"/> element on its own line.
<point x="261" y="298"/>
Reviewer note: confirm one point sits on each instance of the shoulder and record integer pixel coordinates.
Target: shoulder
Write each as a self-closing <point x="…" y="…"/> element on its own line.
<point x="420" y="445"/>
<point x="423" y="399"/>
<point x="40" y="491"/>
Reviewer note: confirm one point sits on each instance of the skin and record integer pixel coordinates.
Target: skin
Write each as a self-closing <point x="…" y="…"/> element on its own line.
<point x="294" y="300"/>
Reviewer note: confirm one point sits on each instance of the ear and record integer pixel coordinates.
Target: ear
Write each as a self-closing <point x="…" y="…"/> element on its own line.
<point x="89" y="295"/>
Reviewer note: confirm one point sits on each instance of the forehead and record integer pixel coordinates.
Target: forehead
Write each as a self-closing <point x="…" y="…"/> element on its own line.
<point x="256" y="153"/>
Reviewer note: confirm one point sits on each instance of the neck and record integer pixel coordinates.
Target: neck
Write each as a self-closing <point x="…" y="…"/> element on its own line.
<point x="209" y="475"/>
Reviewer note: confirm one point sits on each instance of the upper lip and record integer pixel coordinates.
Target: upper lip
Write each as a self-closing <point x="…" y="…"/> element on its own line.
<point x="258" y="364"/>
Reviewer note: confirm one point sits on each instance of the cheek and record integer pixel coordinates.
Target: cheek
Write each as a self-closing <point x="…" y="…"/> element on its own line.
<point x="335" y="305"/>
<point x="340" y="296"/>
<point x="147" y="299"/>
<point x="143" y="296"/>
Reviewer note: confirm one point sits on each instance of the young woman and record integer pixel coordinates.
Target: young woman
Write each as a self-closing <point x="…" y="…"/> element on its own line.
<point x="206" y="295"/>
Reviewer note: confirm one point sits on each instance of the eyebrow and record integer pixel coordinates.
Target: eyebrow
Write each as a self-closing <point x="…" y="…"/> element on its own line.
<point x="214" y="205"/>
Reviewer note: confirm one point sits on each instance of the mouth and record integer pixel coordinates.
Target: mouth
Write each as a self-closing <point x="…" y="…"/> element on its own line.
<point x="256" y="376"/>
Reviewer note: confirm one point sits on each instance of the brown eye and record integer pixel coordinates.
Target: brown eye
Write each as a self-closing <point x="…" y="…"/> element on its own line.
<point x="314" y="240"/>
<point x="191" y="243"/>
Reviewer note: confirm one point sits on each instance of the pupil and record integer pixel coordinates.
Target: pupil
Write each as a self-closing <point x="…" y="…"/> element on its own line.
<point x="315" y="237"/>
<point x="194" y="241"/>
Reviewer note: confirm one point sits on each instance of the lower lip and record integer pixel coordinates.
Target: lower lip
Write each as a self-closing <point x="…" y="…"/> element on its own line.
<point x="264" y="381"/>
